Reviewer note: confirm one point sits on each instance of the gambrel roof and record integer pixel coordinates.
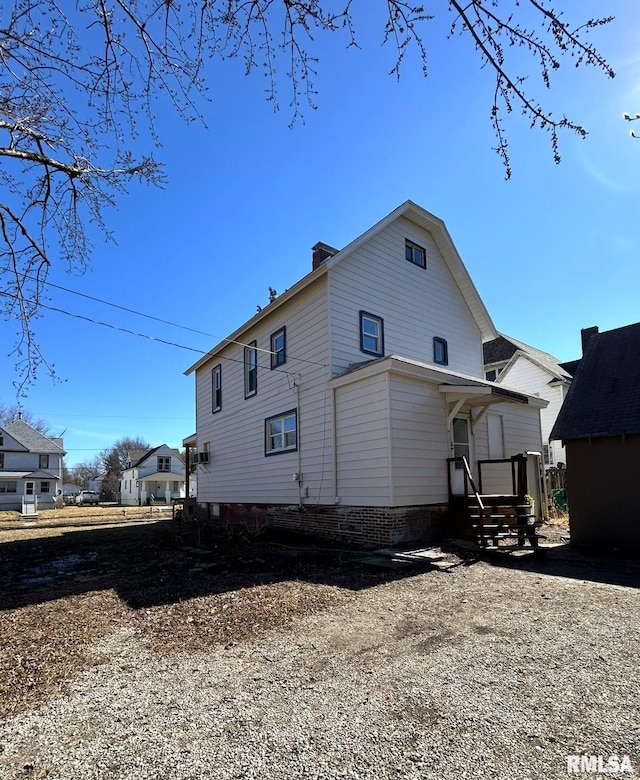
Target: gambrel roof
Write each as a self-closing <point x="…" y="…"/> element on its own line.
<point x="604" y="397"/>
<point x="412" y="212"/>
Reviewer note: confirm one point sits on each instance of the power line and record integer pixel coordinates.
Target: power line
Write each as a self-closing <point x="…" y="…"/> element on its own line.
<point x="147" y="316"/>
<point x="290" y="374"/>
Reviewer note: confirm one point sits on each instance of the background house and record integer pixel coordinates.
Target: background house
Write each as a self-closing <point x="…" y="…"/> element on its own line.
<point x="511" y="362"/>
<point x="30" y="468"/>
<point x="335" y="408"/>
<point x="155" y="475"/>
<point x="600" y="425"/>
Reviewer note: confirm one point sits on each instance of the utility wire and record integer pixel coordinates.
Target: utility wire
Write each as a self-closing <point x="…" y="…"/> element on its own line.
<point x="289" y="374"/>
<point x="149" y="317"/>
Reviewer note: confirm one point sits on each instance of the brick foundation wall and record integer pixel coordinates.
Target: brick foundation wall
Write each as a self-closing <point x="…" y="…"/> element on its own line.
<point x="360" y="525"/>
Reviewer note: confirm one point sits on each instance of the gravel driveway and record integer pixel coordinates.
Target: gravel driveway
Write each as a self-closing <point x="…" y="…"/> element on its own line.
<point x="484" y="671"/>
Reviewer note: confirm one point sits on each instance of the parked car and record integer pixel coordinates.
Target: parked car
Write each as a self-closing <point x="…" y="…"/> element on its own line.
<point x="87" y="497"/>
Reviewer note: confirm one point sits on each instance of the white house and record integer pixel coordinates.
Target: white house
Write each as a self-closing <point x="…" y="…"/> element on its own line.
<point x="155" y="475"/>
<point x="334" y="410"/>
<point x="511" y="362"/>
<point x="30" y="468"/>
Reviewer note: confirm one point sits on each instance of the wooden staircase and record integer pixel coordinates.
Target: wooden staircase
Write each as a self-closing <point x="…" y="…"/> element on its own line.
<point x="503" y="522"/>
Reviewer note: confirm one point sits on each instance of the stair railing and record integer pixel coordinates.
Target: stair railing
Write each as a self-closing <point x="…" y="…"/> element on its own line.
<point x="481" y="507"/>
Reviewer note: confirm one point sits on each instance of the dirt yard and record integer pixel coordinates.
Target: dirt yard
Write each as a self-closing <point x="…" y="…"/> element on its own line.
<point x="271" y="658"/>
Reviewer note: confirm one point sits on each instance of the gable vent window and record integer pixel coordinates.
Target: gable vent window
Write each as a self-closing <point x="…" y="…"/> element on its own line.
<point x="415" y="254"/>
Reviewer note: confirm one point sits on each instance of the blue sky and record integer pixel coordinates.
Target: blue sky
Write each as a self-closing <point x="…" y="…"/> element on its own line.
<point x="551" y="251"/>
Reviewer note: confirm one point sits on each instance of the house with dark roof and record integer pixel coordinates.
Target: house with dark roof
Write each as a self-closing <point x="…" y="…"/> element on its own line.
<point x="516" y="364"/>
<point x="153" y="475"/>
<point x="599" y="424"/>
<point x="30" y="468"/>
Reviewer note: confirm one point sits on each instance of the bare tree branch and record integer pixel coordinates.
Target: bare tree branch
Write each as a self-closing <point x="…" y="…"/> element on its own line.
<point x="79" y="84"/>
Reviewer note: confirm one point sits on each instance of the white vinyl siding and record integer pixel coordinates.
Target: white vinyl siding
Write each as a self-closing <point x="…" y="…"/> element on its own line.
<point x="362" y="443"/>
<point x="529" y="378"/>
<point x="416" y="304"/>
<point x="420" y="442"/>
<point x="238" y="470"/>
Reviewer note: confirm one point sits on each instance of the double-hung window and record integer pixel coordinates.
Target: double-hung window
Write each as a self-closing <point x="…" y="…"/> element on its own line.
<point x="415" y="254"/>
<point x="250" y="369"/>
<point x="440" y="351"/>
<point x="164" y="463"/>
<point x="279" y="347"/>
<point x="281" y="433"/>
<point x="371" y="334"/>
<point x="216" y="388"/>
<point x="44" y="461"/>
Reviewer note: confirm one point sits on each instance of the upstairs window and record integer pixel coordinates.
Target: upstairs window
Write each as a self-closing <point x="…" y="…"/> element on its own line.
<point x="415" y="254"/>
<point x="371" y="334"/>
<point x="250" y="370"/>
<point x="164" y="463"/>
<point x="440" y="351"/>
<point x="44" y="461"/>
<point x="281" y="433"/>
<point x="279" y="347"/>
<point x="216" y="388"/>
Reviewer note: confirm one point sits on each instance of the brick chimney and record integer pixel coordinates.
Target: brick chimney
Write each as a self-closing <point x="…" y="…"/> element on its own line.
<point x="586" y="334"/>
<point x="320" y="253"/>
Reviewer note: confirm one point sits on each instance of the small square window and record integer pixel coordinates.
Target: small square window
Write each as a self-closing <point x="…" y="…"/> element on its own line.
<point x="440" y="351"/>
<point x="279" y="348"/>
<point x="250" y="370"/>
<point x="415" y="254"/>
<point x="491" y="376"/>
<point x="44" y="487"/>
<point x="281" y="433"/>
<point x="371" y="334"/>
<point x="216" y="388"/>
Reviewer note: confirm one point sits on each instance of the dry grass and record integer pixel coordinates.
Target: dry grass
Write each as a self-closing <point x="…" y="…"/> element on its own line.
<point x="137" y="578"/>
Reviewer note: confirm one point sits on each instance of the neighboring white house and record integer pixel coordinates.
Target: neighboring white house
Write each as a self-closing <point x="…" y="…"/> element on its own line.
<point x="154" y="475"/>
<point x="30" y="468"/>
<point x="335" y="408"/>
<point x="511" y="362"/>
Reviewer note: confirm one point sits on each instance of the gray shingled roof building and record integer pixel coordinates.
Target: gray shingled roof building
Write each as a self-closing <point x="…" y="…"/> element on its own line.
<point x="600" y="425"/>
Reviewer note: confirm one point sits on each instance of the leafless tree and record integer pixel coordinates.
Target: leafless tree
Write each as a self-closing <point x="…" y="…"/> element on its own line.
<point x="10" y="413"/>
<point x="79" y="82"/>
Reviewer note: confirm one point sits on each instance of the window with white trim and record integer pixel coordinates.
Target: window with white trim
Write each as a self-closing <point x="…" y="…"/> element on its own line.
<point x="281" y="433"/>
<point x="250" y="369"/>
<point x="164" y="463"/>
<point x="371" y="334"/>
<point x="216" y="388"/>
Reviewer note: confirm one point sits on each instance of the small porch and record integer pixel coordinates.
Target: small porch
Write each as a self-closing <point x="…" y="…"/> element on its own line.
<point x="503" y="507"/>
